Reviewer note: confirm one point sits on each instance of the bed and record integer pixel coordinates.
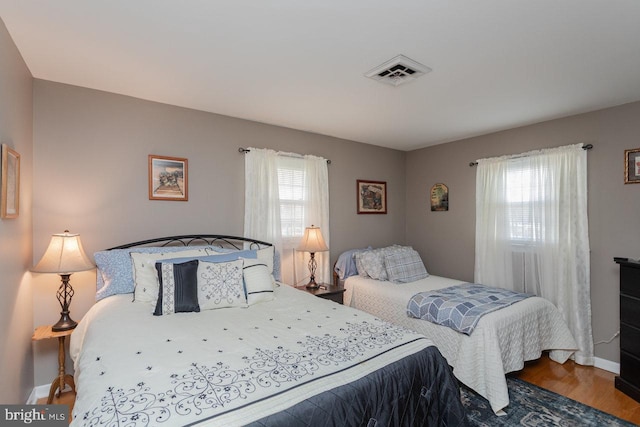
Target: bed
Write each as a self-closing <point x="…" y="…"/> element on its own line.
<point x="501" y="342"/>
<point x="270" y="355"/>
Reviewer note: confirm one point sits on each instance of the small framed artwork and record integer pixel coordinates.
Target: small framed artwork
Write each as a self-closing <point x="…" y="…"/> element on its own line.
<point x="10" y="203"/>
<point x="168" y="178"/>
<point x="632" y="166"/>
<point x="439" y="198"/>
<point x="372" y="197"/>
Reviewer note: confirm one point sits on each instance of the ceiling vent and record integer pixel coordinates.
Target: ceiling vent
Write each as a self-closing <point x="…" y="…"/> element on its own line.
<point x="398" y="70"/>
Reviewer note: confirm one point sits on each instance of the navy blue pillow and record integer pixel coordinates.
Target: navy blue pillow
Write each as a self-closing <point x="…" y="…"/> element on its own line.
<point x="178" y="288"/>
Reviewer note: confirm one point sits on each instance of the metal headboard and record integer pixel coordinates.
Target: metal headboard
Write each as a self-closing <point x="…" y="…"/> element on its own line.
<point x="198" y="240"/>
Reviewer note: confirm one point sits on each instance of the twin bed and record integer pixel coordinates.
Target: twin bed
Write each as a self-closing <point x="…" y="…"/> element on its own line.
<point x="500" y="343"/>
<point x="264" y="354"/>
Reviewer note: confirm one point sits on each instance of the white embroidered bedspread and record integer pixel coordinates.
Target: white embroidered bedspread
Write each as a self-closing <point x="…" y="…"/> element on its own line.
<point x="501" y="342"/>
<point x="228" y="366"/>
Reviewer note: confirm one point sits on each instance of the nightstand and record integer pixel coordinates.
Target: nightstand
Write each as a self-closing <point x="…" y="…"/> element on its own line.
<point x="326" y="291"/>
<point x="43" y="333"/>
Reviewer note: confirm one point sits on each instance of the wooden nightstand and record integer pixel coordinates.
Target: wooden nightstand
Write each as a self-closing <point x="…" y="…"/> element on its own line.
<point x="43" y="333"/>
<point x="326" y="291"/>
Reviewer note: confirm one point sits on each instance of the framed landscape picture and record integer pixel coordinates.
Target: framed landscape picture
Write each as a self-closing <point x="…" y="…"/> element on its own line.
<point x="632" y="166"/>
<point x="10" y="198"/>
<point x="372" y="197"/>
<point x="439" y="198"/>
<point x="168" y="178"/>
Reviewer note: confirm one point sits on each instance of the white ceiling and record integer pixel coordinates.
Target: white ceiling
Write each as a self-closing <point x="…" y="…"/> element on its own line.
<point x="497" y="64"/>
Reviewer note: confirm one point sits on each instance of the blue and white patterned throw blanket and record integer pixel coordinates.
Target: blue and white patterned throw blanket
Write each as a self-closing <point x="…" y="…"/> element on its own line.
<point x="460" y="307"/>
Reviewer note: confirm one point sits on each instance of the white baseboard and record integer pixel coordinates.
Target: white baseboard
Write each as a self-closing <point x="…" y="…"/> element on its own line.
<point x="607" y="365"/>
<point x="38" y="392"/>
<point x="41" y="391"/>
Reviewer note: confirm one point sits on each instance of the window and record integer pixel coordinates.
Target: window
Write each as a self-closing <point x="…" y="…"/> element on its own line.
<point x="523" y="226"/>
<point x="532" y="232"/>
<point x="293" y="197"/>
<point x="525" y="189"/>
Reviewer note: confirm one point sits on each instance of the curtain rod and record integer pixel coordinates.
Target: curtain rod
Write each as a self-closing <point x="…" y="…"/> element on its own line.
<point x="245" y="151"/>
<point x="584" y="147"/>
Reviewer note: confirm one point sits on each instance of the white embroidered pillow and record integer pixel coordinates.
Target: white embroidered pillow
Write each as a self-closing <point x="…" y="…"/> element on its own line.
<point x="220" y="285"/>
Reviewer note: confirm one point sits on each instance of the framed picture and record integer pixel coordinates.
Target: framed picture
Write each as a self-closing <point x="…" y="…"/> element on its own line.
<point x="168" y="178"/>
<point x="439" y="198"/>
<point x="10" y="204"/>
<point x="632" y="166"/>
<point x="372" y="197"/>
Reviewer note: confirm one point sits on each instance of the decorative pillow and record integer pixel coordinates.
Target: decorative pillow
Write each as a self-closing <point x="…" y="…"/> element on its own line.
<point x="277" y="273"/>
<point x="346" y="266"/>
<point x="220" y="285"/>
<point x="373" y="263"/>
<point x="216" y="250"/>
<point x="177" y="288"/>
<point x="398" y="248"/>
<point x="359" y="265"/>
<point x="266" y="256"/>
<point x="405" y="266"/>
<point x="258" y="281"/>
<point x="220" y="257"/>
<point x="115" y="267"/>
<point x="145" y="275"/>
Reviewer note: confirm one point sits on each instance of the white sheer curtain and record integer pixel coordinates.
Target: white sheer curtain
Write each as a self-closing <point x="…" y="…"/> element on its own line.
<point x="284" y="193"/>
<point x="316" y="213"/>
<point x="532" y="232"/>
<point x="261" y="197"/>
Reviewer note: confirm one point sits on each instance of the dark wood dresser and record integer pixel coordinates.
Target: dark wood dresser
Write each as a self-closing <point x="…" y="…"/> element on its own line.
<point x="629" y="379"/>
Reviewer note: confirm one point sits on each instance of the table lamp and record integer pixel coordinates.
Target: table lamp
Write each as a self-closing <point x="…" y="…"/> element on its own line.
<point x="64" y="256"/>
<point x="312" y="242"/>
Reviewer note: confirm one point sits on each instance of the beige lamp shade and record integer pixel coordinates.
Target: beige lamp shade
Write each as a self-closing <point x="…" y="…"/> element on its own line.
<point x="312" y="241"/>
<point x="64" y="255"/>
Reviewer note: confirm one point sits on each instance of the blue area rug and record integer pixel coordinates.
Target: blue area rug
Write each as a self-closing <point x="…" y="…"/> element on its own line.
<point x="533" y="406"/>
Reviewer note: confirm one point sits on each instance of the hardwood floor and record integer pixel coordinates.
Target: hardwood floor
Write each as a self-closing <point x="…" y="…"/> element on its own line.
<point x="67" y="398"/>
<point x="589" y="385"/>
<point x="586" y="384"/>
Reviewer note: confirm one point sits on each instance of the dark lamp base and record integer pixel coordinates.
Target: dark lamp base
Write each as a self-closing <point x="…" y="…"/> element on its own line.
<point x="312" y="273"/>
<point x="312" y="283"/>
<point x="64" y="324"/>
<point x="64" y="294"/>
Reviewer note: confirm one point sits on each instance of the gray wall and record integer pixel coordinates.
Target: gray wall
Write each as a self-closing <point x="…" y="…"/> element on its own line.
<point x="446" y="240"/>
<point x="16" y="309"/>
<point x="90" y="176"/>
